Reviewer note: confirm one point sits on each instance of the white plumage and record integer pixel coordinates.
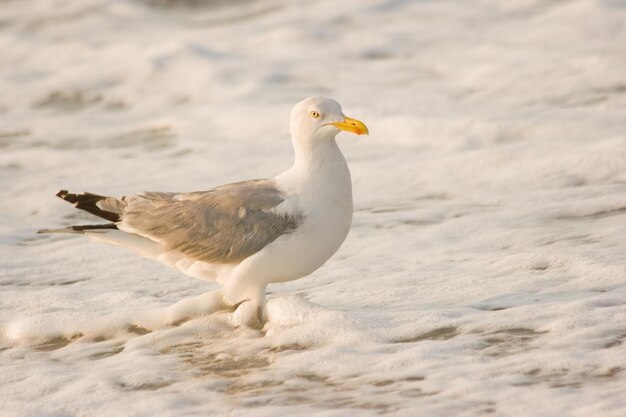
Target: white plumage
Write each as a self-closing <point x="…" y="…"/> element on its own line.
<point x="248" y="234"/>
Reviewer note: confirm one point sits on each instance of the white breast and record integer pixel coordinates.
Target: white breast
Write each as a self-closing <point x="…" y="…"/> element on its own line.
<point x="323" y="197"/>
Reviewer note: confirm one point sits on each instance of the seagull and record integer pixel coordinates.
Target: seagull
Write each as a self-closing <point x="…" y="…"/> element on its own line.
<point x="248" y="234"/>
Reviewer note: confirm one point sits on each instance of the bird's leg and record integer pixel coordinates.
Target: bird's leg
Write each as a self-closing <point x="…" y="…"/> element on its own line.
<point x="188" y="308"/>
<point x="261" y="313"/>
<point x="250" y="308"/>
<point x="248" y="313"/>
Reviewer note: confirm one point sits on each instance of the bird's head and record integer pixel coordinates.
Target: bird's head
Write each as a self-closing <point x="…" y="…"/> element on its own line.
<point x="321" y="118"/>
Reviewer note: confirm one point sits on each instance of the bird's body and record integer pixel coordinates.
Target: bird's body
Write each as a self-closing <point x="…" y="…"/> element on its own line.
<point x="248" y="234"/>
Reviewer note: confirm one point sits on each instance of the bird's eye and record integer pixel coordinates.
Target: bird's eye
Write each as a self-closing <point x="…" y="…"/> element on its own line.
<point x="314" y="114"/>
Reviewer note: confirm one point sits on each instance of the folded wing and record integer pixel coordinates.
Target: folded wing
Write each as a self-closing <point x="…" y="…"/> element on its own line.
<point x="223" y="225"/>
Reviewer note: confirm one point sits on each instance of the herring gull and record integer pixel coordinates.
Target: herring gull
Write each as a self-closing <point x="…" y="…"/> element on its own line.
<point x="247" y="234"/>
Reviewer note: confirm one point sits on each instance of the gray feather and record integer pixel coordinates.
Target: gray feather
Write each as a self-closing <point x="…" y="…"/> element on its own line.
<point x="112" y="204"/>
<point x="224" y="225"/>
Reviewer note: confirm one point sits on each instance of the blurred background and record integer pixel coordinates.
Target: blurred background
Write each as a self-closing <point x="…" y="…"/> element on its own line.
<point x="487" y="249"/>
<point x="124" y="94"/>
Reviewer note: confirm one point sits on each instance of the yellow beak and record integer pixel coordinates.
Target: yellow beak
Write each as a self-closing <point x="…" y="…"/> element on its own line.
<point x="352" y="125"/>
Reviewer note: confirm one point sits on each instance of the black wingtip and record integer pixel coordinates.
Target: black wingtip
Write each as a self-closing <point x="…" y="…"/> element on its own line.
<point x="88" y="202"/>
<point x="80" y="228"/>
<point x="65" y="195"/>
<point x="109" y="226"/>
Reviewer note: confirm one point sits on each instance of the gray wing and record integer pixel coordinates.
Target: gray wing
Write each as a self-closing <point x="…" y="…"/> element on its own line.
<point x="223" y="225"/>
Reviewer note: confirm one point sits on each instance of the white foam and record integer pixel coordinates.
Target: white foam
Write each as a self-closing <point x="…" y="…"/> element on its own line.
<point x="484" y="273"/>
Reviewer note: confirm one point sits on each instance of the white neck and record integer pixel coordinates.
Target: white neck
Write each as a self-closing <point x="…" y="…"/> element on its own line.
<point x="319" y="170"/>
<point x="312" y="155"/>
